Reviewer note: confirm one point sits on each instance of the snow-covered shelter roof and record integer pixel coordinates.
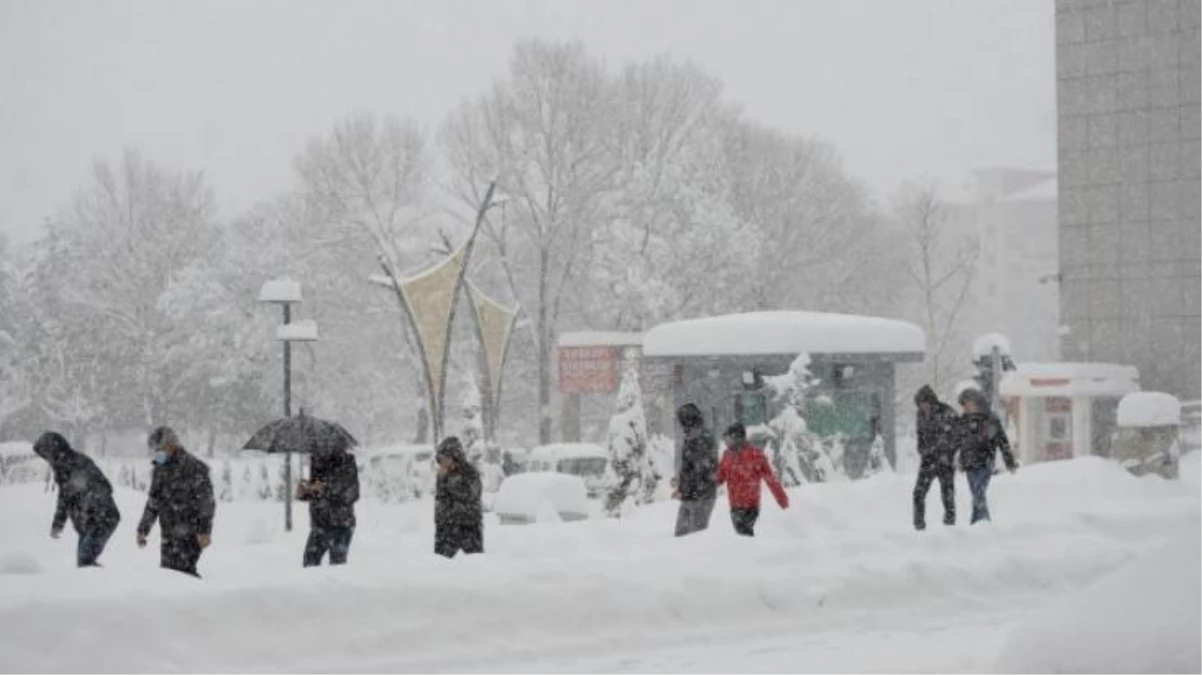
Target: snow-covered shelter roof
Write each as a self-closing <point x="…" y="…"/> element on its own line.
<point x="600" y="339"/>
<point x="1149" y="409"/>
<point x="1070" y="379"/>
<point x="765" y="333"/>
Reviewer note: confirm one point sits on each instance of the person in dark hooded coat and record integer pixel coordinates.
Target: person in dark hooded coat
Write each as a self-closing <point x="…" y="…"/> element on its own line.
<point x="696" y="485"/>
<point x="332" y="490"/>
<point x="458" y="509"/>
<point x="181" y="500"/>
<point x="936" y="423"/>
<point x="981" y="437"/>
<point x="84" y="495"/>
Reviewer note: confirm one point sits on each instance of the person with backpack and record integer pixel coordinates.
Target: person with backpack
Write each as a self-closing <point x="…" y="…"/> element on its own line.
<point x="695" y="484"/>
<point x="936" y="424"/>
<point x="742" y="469"/>
<point x="981" y="437"/>
<point x="84" y="495"/>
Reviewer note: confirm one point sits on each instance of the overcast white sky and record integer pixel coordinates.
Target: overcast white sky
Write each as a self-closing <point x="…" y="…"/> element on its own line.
<point x="906" y="89"/>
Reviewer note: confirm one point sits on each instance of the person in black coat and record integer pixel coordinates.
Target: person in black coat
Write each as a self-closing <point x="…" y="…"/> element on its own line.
<point x="84" y="495"/>
<point x="695" y="484"/>
<point x="936" y="423"/>
<point x="981" y="437"/>
<point x="458" y="510"/>
<point x="332" y="490"/>
<point x="181" y="499"/>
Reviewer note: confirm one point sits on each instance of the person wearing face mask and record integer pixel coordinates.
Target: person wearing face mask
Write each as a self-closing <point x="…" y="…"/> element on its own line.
<point x="181" y="499"/>
<point x="84" y="495"/>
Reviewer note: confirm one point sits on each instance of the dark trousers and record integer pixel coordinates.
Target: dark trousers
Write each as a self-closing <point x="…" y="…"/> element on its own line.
<point x="947" y="492"/>
<point x="180" y="554"/>
<point x="693" y="516"/>
<point x="978" y="484"/>
<point x="448" y="541"/>
<point x="336" y="540"/>
<point x="744" y="520"/>
<point x="91" y="544"/>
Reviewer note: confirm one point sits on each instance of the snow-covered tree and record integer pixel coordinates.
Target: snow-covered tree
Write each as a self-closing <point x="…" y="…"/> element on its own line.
<point x="877" y="461"/>
<point x="801" y="456"/>
<point x="631" y="476"/>
<point x="226" y="491"/>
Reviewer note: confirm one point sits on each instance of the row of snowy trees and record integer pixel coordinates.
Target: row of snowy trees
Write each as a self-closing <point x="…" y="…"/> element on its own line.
<point x="631" y="195"/>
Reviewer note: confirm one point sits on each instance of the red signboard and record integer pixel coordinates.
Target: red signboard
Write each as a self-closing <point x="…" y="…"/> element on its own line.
<point x="588" y="370"/>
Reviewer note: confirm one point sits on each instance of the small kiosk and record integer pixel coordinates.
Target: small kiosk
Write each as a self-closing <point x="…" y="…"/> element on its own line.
<point x="1065" y="410"/>
<point x="1148" y="436"/>
<point x="720" y="364"/>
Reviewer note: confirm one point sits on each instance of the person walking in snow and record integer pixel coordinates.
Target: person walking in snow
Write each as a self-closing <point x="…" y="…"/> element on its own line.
<point x="84" y="495"/>
<point x="332" y="490"/>
<point x="981" y="436"/>
<point x="181" y="500"/>
<point x="695" y="484"/>
<point x="936" y="423"/>
<point x="458" y="509"/>
<point x="742" y="469"/>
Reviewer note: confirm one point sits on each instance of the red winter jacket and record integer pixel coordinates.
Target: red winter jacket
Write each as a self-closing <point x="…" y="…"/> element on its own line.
<point x="742" y="470"/>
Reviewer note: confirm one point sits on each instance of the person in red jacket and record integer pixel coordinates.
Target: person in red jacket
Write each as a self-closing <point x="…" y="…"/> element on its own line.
<point x="742" y="468"/>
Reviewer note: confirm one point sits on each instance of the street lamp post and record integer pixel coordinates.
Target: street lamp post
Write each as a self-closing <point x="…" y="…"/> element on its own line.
<point x="286" y="292"/>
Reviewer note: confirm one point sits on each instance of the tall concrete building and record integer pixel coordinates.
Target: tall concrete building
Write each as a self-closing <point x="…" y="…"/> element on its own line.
<point x="1130" y="174"/>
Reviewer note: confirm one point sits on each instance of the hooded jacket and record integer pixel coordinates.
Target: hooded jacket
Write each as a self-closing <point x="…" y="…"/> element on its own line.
<point x="937" y="430"/>
<point x="180" y="498"/>
<point x="981" y="436"/>
<point x="742" y="469"/>
<point x="698" y="457"/>
<point x="84" y="494"/>
<point x="458" y="510"/>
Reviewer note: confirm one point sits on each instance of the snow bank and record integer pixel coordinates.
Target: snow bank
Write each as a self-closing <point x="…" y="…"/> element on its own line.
<point x="983" y="346"/>
<point x="1145" y="618"/>
<point x="525" y="494"/>
<point x="1149" y="409"/>
<point x="843" y="563"/>
<point x="784" y="333"/>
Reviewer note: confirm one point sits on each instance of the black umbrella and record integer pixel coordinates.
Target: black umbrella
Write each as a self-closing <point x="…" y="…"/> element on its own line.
<point x="302" y="434"/>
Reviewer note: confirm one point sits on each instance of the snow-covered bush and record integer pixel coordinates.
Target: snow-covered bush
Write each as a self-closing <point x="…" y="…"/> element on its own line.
<point x="630" y="475"/>
<point x="800" y="455"/>
<point x="877" y="461"/>
<point x="226" y="492"/>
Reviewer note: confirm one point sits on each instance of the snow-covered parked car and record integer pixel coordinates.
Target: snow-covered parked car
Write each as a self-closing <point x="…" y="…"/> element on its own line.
<point x="534" y="497"/>
<point x="399" y="467"/>
<point x="586" y="460"/>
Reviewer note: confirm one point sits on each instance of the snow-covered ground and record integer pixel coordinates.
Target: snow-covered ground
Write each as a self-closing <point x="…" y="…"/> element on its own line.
<point x="840" y="583"/>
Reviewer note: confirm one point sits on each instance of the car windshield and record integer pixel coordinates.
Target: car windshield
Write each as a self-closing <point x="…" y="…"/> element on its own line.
<point x="582" y="466"/>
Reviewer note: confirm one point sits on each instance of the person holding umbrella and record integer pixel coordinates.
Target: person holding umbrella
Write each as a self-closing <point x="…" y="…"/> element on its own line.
<point x="181" y="500"/>
<point x="332" y="490"/>
<point x="458" y="509"/>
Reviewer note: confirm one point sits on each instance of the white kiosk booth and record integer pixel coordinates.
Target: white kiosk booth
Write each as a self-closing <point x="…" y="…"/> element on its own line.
<point x="1065" y="410"/>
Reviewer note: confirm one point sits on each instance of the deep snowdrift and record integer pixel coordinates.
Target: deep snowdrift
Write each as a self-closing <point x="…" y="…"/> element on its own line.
<point x="842" y="562"/>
